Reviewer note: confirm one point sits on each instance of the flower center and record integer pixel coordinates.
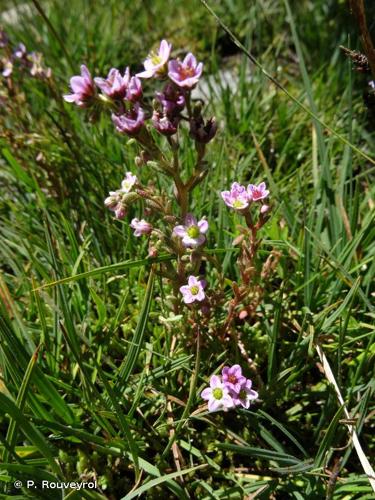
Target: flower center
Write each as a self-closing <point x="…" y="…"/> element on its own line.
<point x="242" y="394"/>
<point x="155" y="58"/>
<point x="217" y="393"/>
<point x="187" y="72"/>
<point x="193" y="231"/>
<point x="194" y="290"/>
<point x="238" y="203"/>
<point x="232" y="379"/>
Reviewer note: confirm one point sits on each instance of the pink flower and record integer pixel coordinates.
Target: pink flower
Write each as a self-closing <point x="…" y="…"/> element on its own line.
<point x="37" y="69"/>
<point x="193" y="291"/>
<point x="156" y="61"/>
<point x="114" y="203"/>
<point x="140" y="227"/>
<point x="217" y="395"/>
<point x="171" y="99"/>
<point x="233" y="378"/>
<point x="245" y="395"/>
<point x="257" y="192"/>
<point x="163" y="124"/>
<point x="115" y="85"/>
<point x="192" y="232"/>
<point x="134" y="91"/>
<point x="185" y="73"/>
<point x="82" y="87"/>
<point x="237" y="197"/>
<point x="131" y="122"/>
<point x="7" y="68"/>
<point x="128" y="182"/>
<point x="20" y="51"/>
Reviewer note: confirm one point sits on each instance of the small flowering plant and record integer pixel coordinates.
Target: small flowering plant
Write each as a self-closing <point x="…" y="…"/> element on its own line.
<point x="160" y="129"/>
<point x="229" y="391"/>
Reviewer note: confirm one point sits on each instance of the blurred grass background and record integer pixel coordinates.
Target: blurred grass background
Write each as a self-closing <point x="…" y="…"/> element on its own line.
<point x="89" y="406"/>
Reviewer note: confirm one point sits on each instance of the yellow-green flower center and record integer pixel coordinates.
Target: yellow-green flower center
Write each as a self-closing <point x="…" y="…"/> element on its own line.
<point x="217" y="393"/>
<point x="238" y="204"/>
<point x="194" y="290"/>
<point x="242" y="394"/>
<point x="155" y="58"/>
<point x="193" y="231"/>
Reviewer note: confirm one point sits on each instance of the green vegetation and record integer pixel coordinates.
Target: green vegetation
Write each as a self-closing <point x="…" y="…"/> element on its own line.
<point x="95" y="378"/>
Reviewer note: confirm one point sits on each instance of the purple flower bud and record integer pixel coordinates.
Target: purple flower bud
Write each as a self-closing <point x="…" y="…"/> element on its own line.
<point x="185" y="73"/>
<point x="203" y="132"/>
<point x="264" y="209"/>
<point x="114" y="203"/>
<point x="83" y="89"/>
<point x="134" y="91"/>
<point x="156" y="61"/>
<point x="20" y="51"/>
<point x="131" y="121"/>
<point x="171" y="99"/>
<point x="120" y="212"/>
<point x="140" y="227"/>
<point x="115" y="85"/>
<point x="164" y="124"/>
<point x="153" y="252"/>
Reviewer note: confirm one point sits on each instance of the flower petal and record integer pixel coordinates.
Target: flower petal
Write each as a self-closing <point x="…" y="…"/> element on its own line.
<point x="215" y="382"/>
<point x="206" y="393"/>
<point x="214" y="405"/>
<point x="179" y="231"/>
<point x="203" y="226"/>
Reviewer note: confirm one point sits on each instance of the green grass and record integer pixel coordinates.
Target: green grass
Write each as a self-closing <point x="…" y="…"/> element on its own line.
<point x="92" y="385"/>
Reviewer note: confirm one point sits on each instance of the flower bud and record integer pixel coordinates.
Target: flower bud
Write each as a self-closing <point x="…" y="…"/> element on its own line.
<point x="203" y="132"/>
<point x="128" y="198"/>
<point x="152" y="252"/>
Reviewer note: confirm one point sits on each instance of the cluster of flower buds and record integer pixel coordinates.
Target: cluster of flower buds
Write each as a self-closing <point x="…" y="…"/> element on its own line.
<point x="118" y="200"/>
<point x="123" y="94"/>
<point x="31" y="61"/>
<point x="230" y="390"/>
